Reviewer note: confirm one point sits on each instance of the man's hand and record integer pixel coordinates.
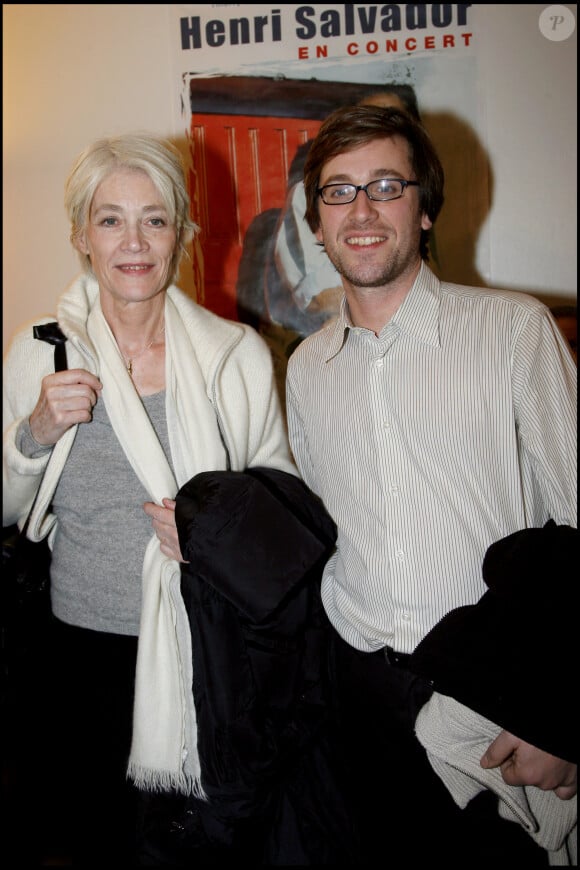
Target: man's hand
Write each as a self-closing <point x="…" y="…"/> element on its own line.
<point x="524" y="764"/>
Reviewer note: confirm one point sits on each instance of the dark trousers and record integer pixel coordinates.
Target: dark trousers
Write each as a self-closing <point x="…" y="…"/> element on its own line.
<point x="405" y="815"/>
<point x="70" y="719"/>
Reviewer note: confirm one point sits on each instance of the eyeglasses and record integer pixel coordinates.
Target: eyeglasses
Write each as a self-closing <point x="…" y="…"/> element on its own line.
<point x="381" y="190"/>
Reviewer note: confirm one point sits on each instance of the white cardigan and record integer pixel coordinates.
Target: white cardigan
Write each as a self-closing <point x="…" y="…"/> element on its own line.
<point x="455" y="738"/>
<point x="217" y="371"/>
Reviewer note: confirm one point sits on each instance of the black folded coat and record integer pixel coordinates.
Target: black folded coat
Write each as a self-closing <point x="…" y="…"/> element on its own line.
<point x="256" y="543"/>
<point x="512" y="656"/>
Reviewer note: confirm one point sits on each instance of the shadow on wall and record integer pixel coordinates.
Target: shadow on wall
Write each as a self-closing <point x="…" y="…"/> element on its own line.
<point x="468" y="198"/>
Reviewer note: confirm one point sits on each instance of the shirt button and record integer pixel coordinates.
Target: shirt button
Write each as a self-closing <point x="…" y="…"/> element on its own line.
<point x="386" y="424"/>
<point x="394" y="490"/>
<point x="379" y="363"/>
<point x="406" y="616"/>
<point x="400" y="555"/>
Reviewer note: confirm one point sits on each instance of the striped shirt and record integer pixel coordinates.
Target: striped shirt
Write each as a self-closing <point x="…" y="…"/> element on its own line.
<point x="453" y="428"/>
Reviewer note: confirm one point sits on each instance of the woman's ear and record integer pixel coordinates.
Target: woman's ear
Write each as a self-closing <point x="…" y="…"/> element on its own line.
<point x="79" y="240"/>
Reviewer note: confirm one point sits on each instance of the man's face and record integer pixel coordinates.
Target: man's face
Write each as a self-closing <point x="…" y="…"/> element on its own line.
<point x="372" y="243"/>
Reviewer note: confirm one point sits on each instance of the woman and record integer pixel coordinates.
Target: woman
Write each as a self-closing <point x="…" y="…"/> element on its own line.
<point x="157" y="390"/>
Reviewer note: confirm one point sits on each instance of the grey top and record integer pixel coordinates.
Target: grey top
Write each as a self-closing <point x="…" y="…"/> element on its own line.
<point x="103" y="530"/>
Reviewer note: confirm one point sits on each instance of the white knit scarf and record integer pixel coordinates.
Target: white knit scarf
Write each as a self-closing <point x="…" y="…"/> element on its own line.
<point x="164" y="749"/>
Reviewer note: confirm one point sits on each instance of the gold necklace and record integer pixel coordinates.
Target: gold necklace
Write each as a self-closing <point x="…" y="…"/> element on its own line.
<point x="129" y="362"/>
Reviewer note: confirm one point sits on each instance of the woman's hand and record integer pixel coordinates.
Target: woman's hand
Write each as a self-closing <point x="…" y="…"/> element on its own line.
<point x="163" y="522"/>
<point x="66" y="398"/>
<point x="523" y="764"/>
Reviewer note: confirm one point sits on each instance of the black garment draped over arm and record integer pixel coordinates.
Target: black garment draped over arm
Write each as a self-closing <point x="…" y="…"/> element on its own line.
<point x="256" y="543"/>
<point x="512" y="656"/>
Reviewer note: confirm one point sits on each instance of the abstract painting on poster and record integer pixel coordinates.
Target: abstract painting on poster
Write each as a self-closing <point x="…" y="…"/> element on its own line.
<point x="255" y="83"/>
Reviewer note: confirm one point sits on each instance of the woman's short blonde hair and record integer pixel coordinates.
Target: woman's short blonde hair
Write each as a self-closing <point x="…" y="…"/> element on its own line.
<point x="158" y="158"/>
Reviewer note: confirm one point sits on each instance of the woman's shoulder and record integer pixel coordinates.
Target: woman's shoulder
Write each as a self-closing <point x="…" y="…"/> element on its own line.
<point x="198" y="317"/>
<point x="215" y="337"/>
<point x="23" y="342"/>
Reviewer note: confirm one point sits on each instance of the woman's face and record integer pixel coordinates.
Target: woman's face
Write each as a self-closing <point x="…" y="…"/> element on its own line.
<point x="129" y="237"/>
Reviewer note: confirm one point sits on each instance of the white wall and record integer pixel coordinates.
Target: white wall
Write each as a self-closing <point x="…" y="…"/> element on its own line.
<point x="529" y="87"/>
<point x="74" y="72"/>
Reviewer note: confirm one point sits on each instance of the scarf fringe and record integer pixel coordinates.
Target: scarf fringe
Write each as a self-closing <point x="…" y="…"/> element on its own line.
<point x="147" y="779"/>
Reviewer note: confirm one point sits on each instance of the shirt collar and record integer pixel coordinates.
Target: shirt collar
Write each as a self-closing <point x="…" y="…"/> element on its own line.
<point x="338" y="331"/>
<point x="418" y="314"/>
<point x="420" y="311"/>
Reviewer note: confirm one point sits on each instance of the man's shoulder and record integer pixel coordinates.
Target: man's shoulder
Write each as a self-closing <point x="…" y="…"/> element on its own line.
<point x="315" y="347"/>
<point x="492" y="295"/>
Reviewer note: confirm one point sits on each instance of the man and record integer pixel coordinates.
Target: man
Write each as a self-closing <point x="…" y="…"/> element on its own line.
<point x="310" y="284"/>
<point x="432" y="420"/>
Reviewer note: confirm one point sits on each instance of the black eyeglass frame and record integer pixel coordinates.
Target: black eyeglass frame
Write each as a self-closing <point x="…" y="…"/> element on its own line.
<point x="357" y="187"/>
